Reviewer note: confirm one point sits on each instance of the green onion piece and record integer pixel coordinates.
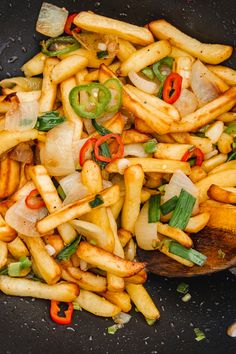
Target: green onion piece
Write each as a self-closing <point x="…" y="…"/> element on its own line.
<point x="100" y="128"/>
<point x="221" y="254"/>
<point x="232" y="156"/>
<point x="231" y="128"/>
<point x="25" y="262"/>
<point x="102" y="54"/>
<point x="136" y="310"/>
<point x="148" y="72"/>
<point x="186" y="297"/>
<point x="69" y="249"/>
<point x="200" y="134"/>
<point x="76" y="306"/>
<point x="48" y="121"/>
<point x="150" y="322"/>
<point x="189" y="254"/>
<point x="150" y="146"/>
<point x="4" y="271"/>
<point x="61" y="192"/>
<point x="183" y="210"/>
<point x="199" y="334"/>
<point x="161" y="188"/>
<point x="104" y="151"/>
<point x="113" y="329"/>
<point x="154" y="208"/>
<point x="160" y="92"/>
<point x="169" y="205"/>
<point x="156" y="67"/>
<point x="182" y="288"/>
<point x="98" y="200"/>
<point x="15" y="268"/>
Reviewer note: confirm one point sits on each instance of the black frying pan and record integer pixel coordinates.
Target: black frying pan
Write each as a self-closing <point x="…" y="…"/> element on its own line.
<point x="25" y="326"/>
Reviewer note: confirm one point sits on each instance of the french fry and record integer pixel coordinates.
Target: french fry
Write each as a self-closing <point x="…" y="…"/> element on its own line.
<point x="225" y="178"/>
<point x="66" y="86"/>
<point x="3" y="254"/>
<point x="49" y="89"/>
<point x="183" y="66"/>
<point x="80" y="77"/>
<point x="96" y="304"/>
<point x="150" y="165"/>
<point x="174" y="233"/>
<point x="88" y="280"/>
<point x="207" y="113"/>
<point x="145" y="195"/>
<point x="67" y="68"/>
<point x="24" y="287"/>
<point x="120" y="299"/>
<point x="51" y="198"/>
<point x="115" y="125"/>
<point x="144" y="57"/>
<point x="35" y="65"/>
<point x="4" y="108"/>
<point x="94" y="75"/>
<point x="77" y="209"/>
<point x="142" y="127"/>
<point x="107" y="261"/>
<point x="7" y="234"/>
<point x="93" y="61"/>
<point x="171" y="151"/>
<point x="155" y="102"/>
<point x="208" y="53"/>
<point x="221" y="195"/>
<point x="224" y="143"/>
<point x="197" y="173"/>
<point x="177" y="52"/>
<point x="204" y="144"/>
<point x="126" y="49"/>
<point x="9" y="177"/>
<point x="124" y="236"/>
<point x="5" y="205"/>
<point x="213" y="162"/>
<point x="197" y="223"/>
<point x="55" y="241"/>
<point x="139" y="278"/>
<point x="227" y="117"/>
<point x="223" y="216"/>
<point x="48" y="268"/>
<point x="117" y="207"/>
<point x="130" y="250"/>
<point x="75" y="260"/>
<point x="17" y="248"/>
<point x="132" y="136"/>
<point x="225" y="166"/>
<point x="142" y="301"/>
<point x="134" y="178"/>
<point x="225" y="73"/>
<point x="100" y="24"/>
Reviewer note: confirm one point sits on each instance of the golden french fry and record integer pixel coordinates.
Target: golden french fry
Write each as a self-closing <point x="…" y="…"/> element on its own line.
<point x="224" y="143"/>
<point x="120" y="299"/>
<point x="124" y="236"/>
<point x="100" y="24"/>
<point x="88" y="280"/>
<point x="183" y="66"/>
<point x="51" y="198"/>
<point x="145" y="195"/>
<point x="80" y="77"/>
<point x="142" y="301"/>
<point x="48" y="268"/>
<point x="17" y="248"/>
<point x="225" y="178"/>
<point x="223" y="216"/>
<point x="221" y="195"/>
<point x="225" y="73"/>
<point x="132" y="136"/>
<point x="213" y="162"/>
<point x="209" y="53"/>
<point x="107" y="261"/>
<point x="144" y="57"/>
<point x="171" y="151"/>
<point x="139" y="278"/>
<point x="96" y="304"/>
<point x="197" y="173"/>
<point x="142" y="127"/>
<point x="197" y="223"/>
<point x="149" y="165"/>
<point x="66" y="86"/>
<point x="134" y="178"/>
<point x="207" y="113"/>
<point x="5" y="205"/>
<point x="203" y="144"/>
<point x="126" y="49"/>
<point x="174" y="233"/>
<point x="3" y="254"/>
<point x="229" y="165"/>
<point x="67" y="68"/>
<point x="77" y="209"/>
<point x="227" y="117"/>
<point x="55" y="241"/>
<point x="115" y="125"/>
<point x="49" y="89"/>
<point x="93" y="62"/>
<point x="35" y="65"/>
<point x="24" y="287"/>
<point x="4" y="108"/>
<point x="130" y="250"/>
<point x="9" y="177"/>
<point x="94" y="74"/>
<point x="117" y="207"/>
<point x="177" y="52"/>
<point x="7" y="234"/>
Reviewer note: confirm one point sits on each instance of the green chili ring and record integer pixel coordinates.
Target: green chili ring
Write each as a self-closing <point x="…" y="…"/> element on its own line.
<point x="100" y="106"/>
<point x="70" y="44"/>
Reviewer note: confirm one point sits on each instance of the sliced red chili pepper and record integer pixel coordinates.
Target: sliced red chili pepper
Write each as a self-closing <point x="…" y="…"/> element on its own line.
<point x="33" y="200"/>
<point x="69" y="23"/>
<point x="172" y="87"/>
<point x="89" y="144"/>
<point x="55" y="309"/>
<point x="196" y="152"/>
<point x="105" y="138"/>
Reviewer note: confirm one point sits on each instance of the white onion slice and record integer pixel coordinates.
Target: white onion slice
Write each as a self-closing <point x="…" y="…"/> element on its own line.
<point x="73" y="187"/>
<point x="180" y="181"/>
<point x="186" y="103"/>
<point x="51" y="20"/>
<point x="58" y="155"/>
<point x="22" y="116"/>
<point x="122" y="318"/>
<point x="23" y="219"/>
<point x="204" y="89"/>
<point x="122" y="165"/>
<point x="135" y="150"/>
<point x="143" y="84"/>
<point x="145" y="232"/>
<point x="50" y="250"/>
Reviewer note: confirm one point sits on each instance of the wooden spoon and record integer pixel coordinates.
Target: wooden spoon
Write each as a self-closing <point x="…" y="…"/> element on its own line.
<point x="211" y="242"/>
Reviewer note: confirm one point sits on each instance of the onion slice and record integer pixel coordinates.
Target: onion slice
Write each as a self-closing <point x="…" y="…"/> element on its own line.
<point x="73" y="187"/>
<point x="22" y="116"/>
<point x="51" y="20"/>
<point x="143" y="84"/>
<point x="186" y="103"/>
<point x="135" y="150"/>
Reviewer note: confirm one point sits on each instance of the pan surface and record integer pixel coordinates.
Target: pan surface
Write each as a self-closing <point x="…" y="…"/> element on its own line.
<point x="25" y="326"/>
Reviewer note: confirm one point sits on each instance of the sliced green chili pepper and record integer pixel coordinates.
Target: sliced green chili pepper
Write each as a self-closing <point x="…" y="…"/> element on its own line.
<point x="148" y="72"/>
<point x="100" y="103"/>
<point x="53" y="47"/>
<point x="114" y="84"/>
<point x="156" y="69"/>
<point x="100" y="128"/>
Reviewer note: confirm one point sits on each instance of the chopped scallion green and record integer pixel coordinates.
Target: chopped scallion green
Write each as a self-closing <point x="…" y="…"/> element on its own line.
<point x="102" y="54"/>
<point x="150" y="146"/>
<point x="199" y="334"/>
<point x="61" y="192"/>
<point x="231" y="128"/>
<point x="154" y="208"/>
<point x="183" y="210"/>
<point x="15" y="268"/>
<point x="150" y="322"/>
<point x="69" y="249"/>
<point x="98" y="200"/>
<point x="182" y="288"/>
<point x="100" y="128"/>
<point x="169" y="206"/>
<point x="186" y="297"/>
<point x="232" y="156"/>
<point x="189" y="254"/>
<point x="113" y="329"/>
<point x="48" y="121"/>
<point x="76" y="306"/>
<point x="4" y="271"/>
<point x="148" y="72"/>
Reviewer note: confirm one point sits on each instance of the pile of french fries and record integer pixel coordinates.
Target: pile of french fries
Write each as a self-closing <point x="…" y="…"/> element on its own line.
<point x="104" y="276"/>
